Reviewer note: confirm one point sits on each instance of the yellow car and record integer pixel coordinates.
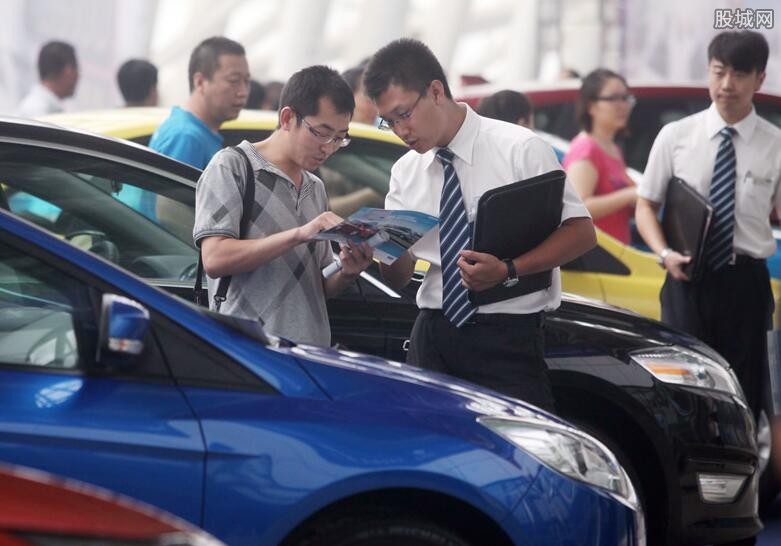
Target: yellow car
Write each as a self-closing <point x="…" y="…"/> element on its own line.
<point x="358" y="175"/>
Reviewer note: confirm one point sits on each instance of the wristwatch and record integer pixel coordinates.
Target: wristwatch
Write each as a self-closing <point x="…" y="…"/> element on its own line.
<point x="663" y="254"/>
<point x="512" y="275"/>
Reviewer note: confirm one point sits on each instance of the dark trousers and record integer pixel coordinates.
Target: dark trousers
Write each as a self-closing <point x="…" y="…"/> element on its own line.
<point x="501" y="352"/>
<point x="731" y="310"/>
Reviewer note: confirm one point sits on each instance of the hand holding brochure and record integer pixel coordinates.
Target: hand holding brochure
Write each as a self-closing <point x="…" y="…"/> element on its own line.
<point x="389" y="232"/>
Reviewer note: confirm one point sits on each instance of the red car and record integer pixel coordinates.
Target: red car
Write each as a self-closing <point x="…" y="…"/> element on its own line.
<point x="657" y="105"/>
<point x="37" y="509"/>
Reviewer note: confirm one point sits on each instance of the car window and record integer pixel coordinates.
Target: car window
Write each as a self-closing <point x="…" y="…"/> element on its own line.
<point x="137" y="219"/>
<point x="647" y="119"/>
<point x="597" y="260"/>
<point x="46" y="319"/>
<point x="558" y="119"/>
<point x="358" y="175"/>
<point x="354" y="177"/>
<point x="771" y="112"/>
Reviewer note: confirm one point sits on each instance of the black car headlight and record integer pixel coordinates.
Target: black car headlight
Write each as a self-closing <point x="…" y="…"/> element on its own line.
<point x="683" y="366"/>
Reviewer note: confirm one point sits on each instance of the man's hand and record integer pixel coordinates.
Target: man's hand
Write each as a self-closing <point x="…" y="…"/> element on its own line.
<point x="355" y="258"/>
<point x="480" y="271"/>
<point x="324" y="221"/>
<point x="673" y="263"/>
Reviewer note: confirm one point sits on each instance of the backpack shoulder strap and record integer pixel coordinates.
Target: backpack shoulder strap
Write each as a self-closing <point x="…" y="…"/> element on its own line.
<point x="247" y="204"/>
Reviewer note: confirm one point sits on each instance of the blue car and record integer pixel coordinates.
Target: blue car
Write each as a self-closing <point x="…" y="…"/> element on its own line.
<point x="109" y="380"/>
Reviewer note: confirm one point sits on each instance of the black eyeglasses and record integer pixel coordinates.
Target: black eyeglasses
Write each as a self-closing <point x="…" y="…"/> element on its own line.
<point x="388" y="124"/>
<point x="628" y="98"/>
<point x="341" y="142"/>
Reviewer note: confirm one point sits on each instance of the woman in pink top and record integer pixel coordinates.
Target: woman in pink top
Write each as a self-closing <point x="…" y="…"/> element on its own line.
<point x="594" y="163"/>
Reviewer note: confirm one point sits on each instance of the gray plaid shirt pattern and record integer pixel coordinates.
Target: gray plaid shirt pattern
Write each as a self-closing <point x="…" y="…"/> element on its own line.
<point x="286" y="293"/>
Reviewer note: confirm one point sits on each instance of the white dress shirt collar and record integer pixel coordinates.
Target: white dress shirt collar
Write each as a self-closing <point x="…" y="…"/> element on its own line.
<point x="463" y="143"/>
<point x="715" y="123"/>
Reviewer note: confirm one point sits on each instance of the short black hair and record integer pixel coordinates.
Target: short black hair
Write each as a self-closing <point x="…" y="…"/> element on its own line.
<point x="506" y="105"/>
<point x="53" y="57"/>
<point x="743" y="50"/>
<point x="205" y="58"/>
<point x="136" y="79"/>
<point x="405" y="62"/>
<point x="590" y="89"/>
<point x="257" y="94"/>
<point x="305" y="88"/>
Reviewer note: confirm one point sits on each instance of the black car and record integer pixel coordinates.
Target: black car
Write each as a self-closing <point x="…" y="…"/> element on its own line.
<point x="666" y="404"/>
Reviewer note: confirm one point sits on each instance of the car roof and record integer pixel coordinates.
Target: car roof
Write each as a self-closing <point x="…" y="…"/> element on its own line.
<point x="44" y="131"/>
<point x="136" y="123"/>
<point x="542" y="94"/>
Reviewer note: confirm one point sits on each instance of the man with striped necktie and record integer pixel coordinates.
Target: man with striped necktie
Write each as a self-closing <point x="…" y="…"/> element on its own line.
<point x="733" y="157"/>
<point x="456" y="156"/>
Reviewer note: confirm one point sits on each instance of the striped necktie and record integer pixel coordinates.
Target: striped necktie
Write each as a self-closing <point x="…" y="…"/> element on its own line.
<point x="722" y="197"/>
<point x="454" y="236"/>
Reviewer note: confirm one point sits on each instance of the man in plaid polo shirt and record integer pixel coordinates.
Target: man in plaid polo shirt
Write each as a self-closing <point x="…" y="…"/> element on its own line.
<point x="276" y="269"/>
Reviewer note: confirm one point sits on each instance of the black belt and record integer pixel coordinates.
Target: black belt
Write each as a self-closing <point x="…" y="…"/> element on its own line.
<point x="743" y="259"/>
<point x="524" y="320"/>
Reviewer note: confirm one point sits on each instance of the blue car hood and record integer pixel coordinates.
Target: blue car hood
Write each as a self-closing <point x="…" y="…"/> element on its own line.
<point x="349" y="375"/>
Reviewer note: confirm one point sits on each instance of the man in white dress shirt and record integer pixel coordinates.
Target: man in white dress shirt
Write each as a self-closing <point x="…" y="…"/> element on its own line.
<point x="59" y="74"/>
<point x="499" y="345"/>
<point x="729" y="306"/>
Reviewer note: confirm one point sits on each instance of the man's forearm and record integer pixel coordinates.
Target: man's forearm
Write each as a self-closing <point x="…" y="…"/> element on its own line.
<point x="398" y="274"/>
<point x="223" y="256"/>
<point x="335" y="285"/>
<point x="647" y="221"/>
<point x="573" y="238"/>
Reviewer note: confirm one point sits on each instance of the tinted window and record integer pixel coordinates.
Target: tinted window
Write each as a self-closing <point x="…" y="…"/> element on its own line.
<point x="647" y="119"/>
<point x="354" y="177"/>
<point x="139" y="220"/>
<point x="557" y="119"/>
<point x="771" y="112"/>
<point x="597" y="260"/>
<point x="358" y="175"/>
<point x="45" y="316"/>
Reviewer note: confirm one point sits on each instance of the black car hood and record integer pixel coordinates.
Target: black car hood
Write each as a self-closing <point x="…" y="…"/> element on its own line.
<point x="580" y="321"/>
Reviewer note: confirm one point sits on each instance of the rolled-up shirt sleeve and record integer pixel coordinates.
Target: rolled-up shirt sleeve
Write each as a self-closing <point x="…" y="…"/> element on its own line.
<point x="659" y="170"/>
<point x="537" y="157"/>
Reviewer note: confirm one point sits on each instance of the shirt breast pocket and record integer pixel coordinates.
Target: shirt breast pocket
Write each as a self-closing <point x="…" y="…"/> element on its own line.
<point x="755" y="195"/>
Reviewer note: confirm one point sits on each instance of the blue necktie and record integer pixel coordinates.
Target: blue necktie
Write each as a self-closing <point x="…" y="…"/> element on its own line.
<point x="453" y="237"/>
<point x="722" y="197"/>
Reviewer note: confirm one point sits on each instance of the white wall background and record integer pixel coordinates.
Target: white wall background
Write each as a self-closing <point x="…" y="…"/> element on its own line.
<point x="502" y="40"/>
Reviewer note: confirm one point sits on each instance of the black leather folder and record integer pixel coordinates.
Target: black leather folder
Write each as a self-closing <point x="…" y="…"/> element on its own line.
<point x="686" y="220"/>
<point x="512" y="220"/>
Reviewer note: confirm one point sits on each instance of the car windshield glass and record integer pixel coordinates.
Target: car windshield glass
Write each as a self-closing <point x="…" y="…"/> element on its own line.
<point x="140" y="220"/>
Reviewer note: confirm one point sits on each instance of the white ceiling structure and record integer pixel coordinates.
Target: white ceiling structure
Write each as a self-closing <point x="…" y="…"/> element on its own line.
<point x="500" y="40"/>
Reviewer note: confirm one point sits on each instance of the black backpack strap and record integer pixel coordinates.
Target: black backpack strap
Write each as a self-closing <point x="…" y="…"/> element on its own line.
<point x="248" y="202"/>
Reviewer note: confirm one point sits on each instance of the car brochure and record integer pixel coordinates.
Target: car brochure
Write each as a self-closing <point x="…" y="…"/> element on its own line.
<point x="389" y="232"/>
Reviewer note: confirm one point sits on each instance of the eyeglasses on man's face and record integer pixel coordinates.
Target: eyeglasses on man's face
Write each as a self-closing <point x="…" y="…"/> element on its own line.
<point x="322" y="138"/>
<point x="627" y="98"/>
<point x="389" y="124"/>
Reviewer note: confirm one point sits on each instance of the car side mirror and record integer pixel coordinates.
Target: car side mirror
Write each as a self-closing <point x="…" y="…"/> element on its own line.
<point x="123" y="325"/>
